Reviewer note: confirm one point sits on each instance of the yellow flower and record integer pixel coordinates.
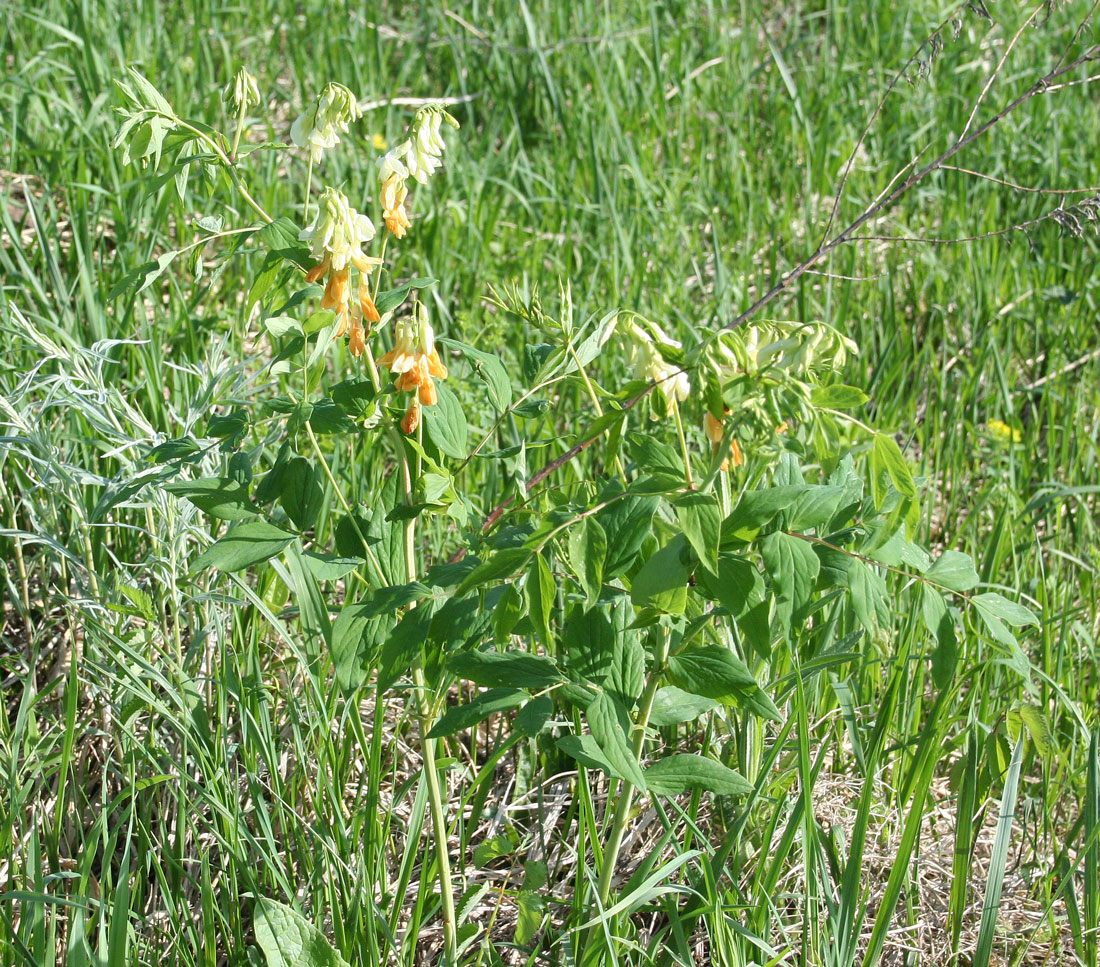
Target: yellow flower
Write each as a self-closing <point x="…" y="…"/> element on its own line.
<point x="1002" y="431"/>
<point x="393" y="206"/>
<point x="648" y="363"/>
<point x="336" y="237"/>
<point x="414" y="360"/>
<point x="379" y="142"/>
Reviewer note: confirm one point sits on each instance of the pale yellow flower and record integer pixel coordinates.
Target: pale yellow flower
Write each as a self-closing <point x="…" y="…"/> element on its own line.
<point x="319" y="127"/>
<point x="1002" y="431"/>
<point x="336" y="237"/>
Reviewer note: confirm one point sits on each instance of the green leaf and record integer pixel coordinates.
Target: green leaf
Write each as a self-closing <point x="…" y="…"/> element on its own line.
<point x="611" y="726"/>
<point x="814" y="507"/>
<point x="672" y="705"/>
<point x="937" y="619"/>
<point x="793" y="567"/>
<point x="503" y="564"/>
<point x="510" y="669"/>
<point x="490" y="369"/>
<point x="487" y="703"/>
<point x="541" y="596"/>
<point x="328" y="416"/>
<point x="243" y="546"/>
<point x="739" y="588"/>
<point x="390" y="299"/>
<point x="654" y="455"/>
<point x="674" y="774"/>
<point x="587" y="546"/>
<point x="532" y="718"/>
<point x="586" y="751"/>
<point x="330" y="567"/>
<point x="701" y="521"/>
<point x="757" y="508"/>
<point x="217" y="496"/>
<point x="1010" y="612"/>
<point x="302" y="493"/>
<point x="953" y="570"/>
<point x="714" y="671"/>
<point x="404" y="644"/>
<point x="281" y="236"/>
<point x="869" y="595"/>
<point x="626" y="524"/>
<point x="886" y="457"/>
<point x="446" y="424"/>
<point x="1033" y="719"/>
<point x="357" y="634"/>
<point x="289" y="940"/>
<point x="661" y="583"/>
<point x="838" y="397"/>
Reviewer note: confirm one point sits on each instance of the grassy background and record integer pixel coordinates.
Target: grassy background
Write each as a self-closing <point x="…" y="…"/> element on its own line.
<point x="669" y="157"/>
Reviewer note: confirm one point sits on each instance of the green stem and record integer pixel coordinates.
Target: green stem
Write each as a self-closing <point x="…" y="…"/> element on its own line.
<point x="309" y="182"/>
<point x="237" y="135"/>
<point x="683" y="443"/>
<point x="626" y="791"/>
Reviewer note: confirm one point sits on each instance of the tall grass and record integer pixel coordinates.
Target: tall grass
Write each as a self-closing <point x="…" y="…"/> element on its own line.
<point x="172" y="748"/>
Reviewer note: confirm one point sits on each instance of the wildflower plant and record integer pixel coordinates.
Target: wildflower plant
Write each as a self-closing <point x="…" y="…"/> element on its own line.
<point x="601" y="617"/>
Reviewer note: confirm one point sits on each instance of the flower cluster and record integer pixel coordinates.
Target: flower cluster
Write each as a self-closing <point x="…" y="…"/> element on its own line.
<point x="417" y="157"/>
<point x="336" y="240"/>
<point x="414" y="360"/>
<point x="645" y="341"/>
<point x="242" y="92"/>
<point x="319" y="128"/>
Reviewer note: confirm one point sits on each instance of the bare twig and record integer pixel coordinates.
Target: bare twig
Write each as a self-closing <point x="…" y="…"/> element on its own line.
<point x="1013" y="185"/>
<point x="780" y="287"/>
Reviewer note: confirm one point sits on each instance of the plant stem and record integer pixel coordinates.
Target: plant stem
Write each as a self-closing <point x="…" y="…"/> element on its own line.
<point x="626" y="791"/>
<point x="683" y="443"/>
<point x="309" y="182"/>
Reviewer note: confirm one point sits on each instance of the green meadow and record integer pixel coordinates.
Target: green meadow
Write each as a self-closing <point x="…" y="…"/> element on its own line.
<point x="541" y="682"/>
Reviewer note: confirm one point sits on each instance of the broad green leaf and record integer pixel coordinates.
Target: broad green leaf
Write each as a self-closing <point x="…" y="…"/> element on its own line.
<point x="541" y="597"/>
<point x="1033" y="719"/>
<point x="390" y="299"/>
<point x="661" y="583"/>
<point x="465" y="716"/>
<point x="886" y="457"/>
<point x="676" y="773"/>
<point x="1010" y="612"/>
<point x="757" y="508"/>
<point x="532" y="718"/>
<point x="446" y="424"/>
<point x="587" y="546"/>
<point x="217" y="496"/>
<point x="490" y="369"/>
<point x="953" y="570"/>
<point x="814" y="507"/>
<point x="838" y="397"/>
<point x="511" y="669"/>
<point x="701" y="521"/>
<point x="739" y="588"/>
<point x="243" y="546"/>
<point x="672" y="705"/>
<point x="793" y="567"/>
<point x="610" y="726"/>
<point x="868" y="594"/>
<point x="626" y="522"/>
<point x="289" y="940"/>
<point x="302" y="493"/>
<point x="586" y="751"/>
<point x="503" y="564"/>
<point x="713" y="671"/>
<point x="404" y="644"/>
<point x="357" y="634"/>
<point x="330" y="567"/>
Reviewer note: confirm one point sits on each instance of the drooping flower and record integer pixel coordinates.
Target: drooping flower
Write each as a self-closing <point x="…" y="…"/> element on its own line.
<point x="336" y="238"/>
<point x="420" y="156"/>
<point x="415" y="361"/>
<point x="321" y="125"/>
<point x="649" y="364"/>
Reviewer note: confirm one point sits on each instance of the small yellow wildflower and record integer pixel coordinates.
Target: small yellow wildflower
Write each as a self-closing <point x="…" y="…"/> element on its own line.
<point x="379" y="142"/>
<point x="1002" y="431"/>
<point x="414" y="360"/>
